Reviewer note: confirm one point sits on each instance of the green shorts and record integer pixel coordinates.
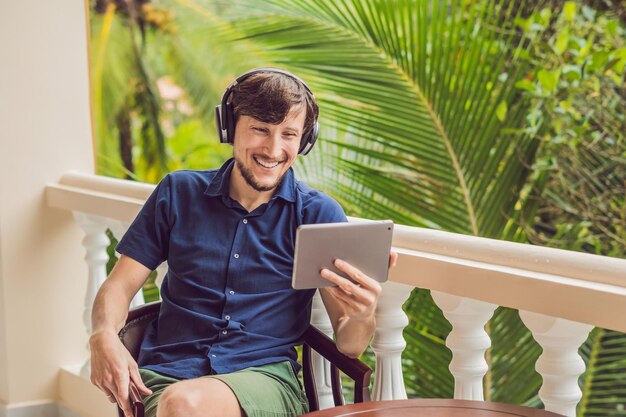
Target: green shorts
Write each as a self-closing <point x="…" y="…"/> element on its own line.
<point x="271" y="390"/>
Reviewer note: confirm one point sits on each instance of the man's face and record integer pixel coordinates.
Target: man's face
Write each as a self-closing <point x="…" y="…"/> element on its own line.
<point x="264" y="152"/>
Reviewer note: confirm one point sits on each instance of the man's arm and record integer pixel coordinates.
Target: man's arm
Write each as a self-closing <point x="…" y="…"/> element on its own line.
<point x="112" y="366"/>
<point x="351" y="306"/>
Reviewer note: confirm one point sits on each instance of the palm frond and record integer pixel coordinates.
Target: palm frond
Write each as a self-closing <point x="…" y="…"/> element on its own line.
<point x="512" y="357"/>
<point x="603" y="384"/>
<point x="422" y="80"/>
<point x="426" y="358"/>
<point x="112" y="72"/>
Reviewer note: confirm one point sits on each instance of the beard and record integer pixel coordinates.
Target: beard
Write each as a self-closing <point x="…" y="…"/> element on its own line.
<point x="251" y="181"/>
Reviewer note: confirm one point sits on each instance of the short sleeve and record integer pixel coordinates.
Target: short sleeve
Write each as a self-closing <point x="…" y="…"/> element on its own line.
<point x="147" y="238"/>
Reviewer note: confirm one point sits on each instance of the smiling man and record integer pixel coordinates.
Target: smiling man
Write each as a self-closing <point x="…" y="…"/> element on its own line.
<point x="224" y="342"/>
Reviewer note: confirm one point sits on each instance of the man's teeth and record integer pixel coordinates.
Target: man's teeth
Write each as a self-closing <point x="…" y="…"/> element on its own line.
<point x="266" y="164"/>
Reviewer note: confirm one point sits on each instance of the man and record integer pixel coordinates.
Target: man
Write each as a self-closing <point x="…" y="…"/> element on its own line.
<point x="223" y="344"/>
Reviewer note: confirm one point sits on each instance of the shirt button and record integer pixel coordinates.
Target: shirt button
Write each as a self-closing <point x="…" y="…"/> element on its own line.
<point x="245" y="221"/>
<point x="231" y="292"/>
<point x="213" y="356"/>
<point x="227" y="317"/>
<point x="224" y="331"/>
<point x="236" y="256"/>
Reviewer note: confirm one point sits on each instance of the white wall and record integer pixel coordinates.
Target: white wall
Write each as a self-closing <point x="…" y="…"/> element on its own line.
<point x="44" y="131"/>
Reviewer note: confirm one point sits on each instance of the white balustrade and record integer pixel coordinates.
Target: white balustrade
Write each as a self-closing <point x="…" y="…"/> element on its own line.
<point x="459" y="270"/>
<point x="95" y="243"/>
<point x="320" y="366"/>
<point x="468" y="342"/>
<point x="388" y="342"/>
<point x="560" y="365"/>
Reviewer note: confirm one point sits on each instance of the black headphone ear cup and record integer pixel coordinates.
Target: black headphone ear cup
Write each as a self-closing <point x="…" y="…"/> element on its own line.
<point x="308" y="140"/>
<point x="230" y="123"/>
<point x="220" y="126"/>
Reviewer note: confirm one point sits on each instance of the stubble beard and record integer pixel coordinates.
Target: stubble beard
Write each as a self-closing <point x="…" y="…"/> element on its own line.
<point x="249" y="178"/>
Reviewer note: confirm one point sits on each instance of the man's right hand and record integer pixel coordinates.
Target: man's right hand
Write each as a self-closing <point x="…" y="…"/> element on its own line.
<point x="113" y="368"/>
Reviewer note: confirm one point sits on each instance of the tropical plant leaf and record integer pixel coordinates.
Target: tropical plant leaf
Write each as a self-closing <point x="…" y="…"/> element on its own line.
<point x="191" y="52"/>
<point x="426" y="358"/>
<point x="121" y="85"/>
<point x="111" y="72"/>
<point x="512" y="377"/>
<point x="603" y="383"/>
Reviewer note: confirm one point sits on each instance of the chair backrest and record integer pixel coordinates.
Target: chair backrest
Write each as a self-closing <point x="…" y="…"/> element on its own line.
<point x="139" y="318"/>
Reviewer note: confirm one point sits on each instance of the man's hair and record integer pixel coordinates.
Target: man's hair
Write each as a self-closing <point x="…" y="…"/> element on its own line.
<point x="270" y="96"/>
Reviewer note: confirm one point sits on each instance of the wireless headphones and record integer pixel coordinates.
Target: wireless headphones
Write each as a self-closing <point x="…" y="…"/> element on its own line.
<point x="225" y="119"/>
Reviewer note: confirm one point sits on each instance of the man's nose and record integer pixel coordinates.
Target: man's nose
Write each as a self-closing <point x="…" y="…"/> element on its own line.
<point x="274" y="145"/>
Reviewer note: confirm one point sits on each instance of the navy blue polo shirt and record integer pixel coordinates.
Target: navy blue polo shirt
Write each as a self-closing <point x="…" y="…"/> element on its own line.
<point x="227" y="301"/>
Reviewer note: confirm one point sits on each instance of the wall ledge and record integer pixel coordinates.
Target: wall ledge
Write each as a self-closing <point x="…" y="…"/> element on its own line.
<point x="37" y="409"/>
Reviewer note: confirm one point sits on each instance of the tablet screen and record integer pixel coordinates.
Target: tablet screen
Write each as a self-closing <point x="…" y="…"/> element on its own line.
<point x="365" y="245"/>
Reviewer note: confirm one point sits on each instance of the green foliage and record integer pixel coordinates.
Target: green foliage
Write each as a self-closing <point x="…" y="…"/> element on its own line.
<point x="111" y="73"/>
<point x="576" y="198"/>
<point x="150" y="77"/>
<point x="426" y="358"/>
<point x="604" y="390"/>
<point x="111" y="252"/>
<point x="513" y="353"/>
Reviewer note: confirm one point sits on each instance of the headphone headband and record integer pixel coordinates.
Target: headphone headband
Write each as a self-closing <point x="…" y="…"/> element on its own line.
<point x="225" y="118"/>
<point x="272" y="70"/>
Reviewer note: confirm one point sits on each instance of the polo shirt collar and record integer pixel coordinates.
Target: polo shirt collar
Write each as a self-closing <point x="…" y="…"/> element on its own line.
<point x="219" y="185"/>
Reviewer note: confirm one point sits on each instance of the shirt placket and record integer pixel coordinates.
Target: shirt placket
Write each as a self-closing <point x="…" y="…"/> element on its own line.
<point x="231" y="296"/>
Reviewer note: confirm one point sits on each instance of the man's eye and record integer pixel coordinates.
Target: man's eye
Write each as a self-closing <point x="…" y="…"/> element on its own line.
<point x="259" y="129"/>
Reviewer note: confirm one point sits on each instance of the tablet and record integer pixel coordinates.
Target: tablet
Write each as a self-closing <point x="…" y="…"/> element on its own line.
<point x="365" y="245"/>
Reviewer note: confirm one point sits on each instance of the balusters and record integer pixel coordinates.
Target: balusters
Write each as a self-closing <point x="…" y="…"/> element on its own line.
<point x="388" y="342"/>
<point x="560" y="365"/>
<point x="468" y="342"/>
<point x="95" y="243"/>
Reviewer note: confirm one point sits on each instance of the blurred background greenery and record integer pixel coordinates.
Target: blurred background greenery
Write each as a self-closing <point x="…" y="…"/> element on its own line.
<point x="503" y="119"/>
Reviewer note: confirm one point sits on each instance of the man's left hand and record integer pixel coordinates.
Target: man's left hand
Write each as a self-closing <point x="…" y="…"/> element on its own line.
<point x="358" y="297"/>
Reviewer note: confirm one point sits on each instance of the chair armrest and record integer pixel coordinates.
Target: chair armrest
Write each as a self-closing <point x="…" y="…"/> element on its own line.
<point x="142" y="310"/>
<point x="326" y="347"/>
<point x="359" y="372"/>
<point x="137" y="321"/>
<point x="131" y="336"/>
<point x="136" y="401"/>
